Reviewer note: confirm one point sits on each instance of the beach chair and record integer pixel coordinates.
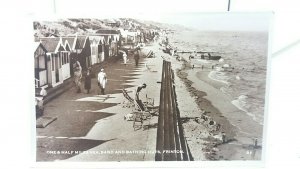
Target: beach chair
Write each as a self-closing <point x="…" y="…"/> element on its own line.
<point x="141" y="114"/>
<point x="150" y="54"/>
<point x="129" y="101"/>
<point x="149" y="102"/>
<point x="138" y="121"/>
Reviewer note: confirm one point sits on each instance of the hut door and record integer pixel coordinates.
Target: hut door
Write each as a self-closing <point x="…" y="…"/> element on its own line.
<point x="49" y="69"/>
<point x="106" y="52"/>
<point x="55" y="69"/>
<point x="53" y="78"/>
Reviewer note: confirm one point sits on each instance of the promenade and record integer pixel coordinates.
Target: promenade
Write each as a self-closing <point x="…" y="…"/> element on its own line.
<point x="91" y="127"/>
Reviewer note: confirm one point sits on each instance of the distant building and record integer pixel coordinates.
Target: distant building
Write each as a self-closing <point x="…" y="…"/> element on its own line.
<point x="112" y="23"/>
<point x="97" y="48"/>
<point x="130" y="37"/>
<point x="110" y="43"/>
<point x="107" y="31"/>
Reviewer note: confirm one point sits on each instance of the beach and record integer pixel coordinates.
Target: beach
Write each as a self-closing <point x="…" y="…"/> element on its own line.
<point x="205" y="89"/>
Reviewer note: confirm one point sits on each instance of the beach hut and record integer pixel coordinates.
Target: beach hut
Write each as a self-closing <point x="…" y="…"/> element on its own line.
<point x="112" y="41"/>
<point x="72" y="45"/>
<point x="59" y="60"/>
<point x="130" y="37"/>
<point x="107" y="46"/>
<point x="97" y="43"/>
<point x="84" y="51"/>
<point x="111" y="45"/>
<point x="40" y="65"/>
<point x="115" y="45"/>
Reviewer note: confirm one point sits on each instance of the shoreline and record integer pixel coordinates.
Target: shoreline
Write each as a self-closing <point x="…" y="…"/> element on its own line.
<point x="209" y="98"/>
<point x="212" y="139"/>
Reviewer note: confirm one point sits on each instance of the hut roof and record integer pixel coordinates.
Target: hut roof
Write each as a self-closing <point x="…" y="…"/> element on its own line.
<point x="50" y="44"/>
<point x="107" y="31"/>
<point x="97" y="39"/>
<point x="39" y="45"/>
<point x="70" y="40"/>
<point x="82" y="40"/>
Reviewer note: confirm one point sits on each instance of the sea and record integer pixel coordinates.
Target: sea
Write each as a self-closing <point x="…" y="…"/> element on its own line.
<point x="245" y="53"/>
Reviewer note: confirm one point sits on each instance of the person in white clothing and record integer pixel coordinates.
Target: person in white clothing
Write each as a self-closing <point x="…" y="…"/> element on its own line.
<point x="125" y="58"/>
<point x="102" y="80"/>
<point x="43" y="92"/>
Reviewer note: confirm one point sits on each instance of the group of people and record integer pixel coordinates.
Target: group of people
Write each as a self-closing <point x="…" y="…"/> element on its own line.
<point x="136" y="56"/>
<point x="101" y="79"/>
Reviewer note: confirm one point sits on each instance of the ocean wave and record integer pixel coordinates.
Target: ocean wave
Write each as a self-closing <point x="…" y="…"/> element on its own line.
<point x="242" y="104"/>
<point x="219" y="76"/>
<point x="203" y="61"/>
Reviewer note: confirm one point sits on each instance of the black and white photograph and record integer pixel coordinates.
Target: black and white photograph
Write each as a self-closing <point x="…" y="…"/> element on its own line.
<point x="171" y="87"/>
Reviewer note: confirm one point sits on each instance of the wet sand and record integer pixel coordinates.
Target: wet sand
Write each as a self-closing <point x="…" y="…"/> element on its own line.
<point x="237" y="126"/>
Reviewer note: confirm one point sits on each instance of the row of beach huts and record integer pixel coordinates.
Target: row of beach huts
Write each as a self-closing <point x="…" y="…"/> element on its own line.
<point x="55" y="57"/>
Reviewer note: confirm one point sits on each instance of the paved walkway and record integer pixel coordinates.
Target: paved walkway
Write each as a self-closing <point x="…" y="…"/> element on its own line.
<point x="94" y="124"/>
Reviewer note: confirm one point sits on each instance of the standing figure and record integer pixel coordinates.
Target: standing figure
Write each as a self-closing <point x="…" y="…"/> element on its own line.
<point x="223" y="137"/>
<point x="102" y="80"/>
<point x="174" y="52"/>
<point x="43" y="92"/>
<point x="87" y="81"/>
<point x="125" y="58"/>
<point x="195" y="55"/>
<point x="136" y="58"/>
<point x="78" y="76"/>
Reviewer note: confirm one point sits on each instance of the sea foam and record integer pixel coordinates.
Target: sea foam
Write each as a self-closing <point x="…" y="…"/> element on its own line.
<point x="218" y="76"/>
<point x="241" y="103"/>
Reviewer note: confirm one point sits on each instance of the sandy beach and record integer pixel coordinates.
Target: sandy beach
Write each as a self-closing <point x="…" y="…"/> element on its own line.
<point x="209" y="98"/>
<point x="198" y="95"/>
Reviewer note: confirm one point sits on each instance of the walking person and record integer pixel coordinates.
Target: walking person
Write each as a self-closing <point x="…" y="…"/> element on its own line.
<point x="87" y="81"/>
<point x="124" y="58"/>
<point x="78" y="76"/>
<point x="102" y="80"/>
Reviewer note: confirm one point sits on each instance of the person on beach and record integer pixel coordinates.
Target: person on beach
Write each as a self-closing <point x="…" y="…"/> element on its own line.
<point x="195" y="54"/>
<point x="255" y="142"/>
<point x="137" y="98"/>
<point x="124" y="58"/>
<point x="136" y="57"/>
<point x="174" y="52"/>
<point x="223" y="137"/>
<point x="87" y="81"/>
<point x="102" y="80"/>
<point x="78" y="76"/>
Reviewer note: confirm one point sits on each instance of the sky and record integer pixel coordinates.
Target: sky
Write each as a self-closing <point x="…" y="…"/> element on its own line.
<point x="182" y="12"/>
<point x="215" y="21"/>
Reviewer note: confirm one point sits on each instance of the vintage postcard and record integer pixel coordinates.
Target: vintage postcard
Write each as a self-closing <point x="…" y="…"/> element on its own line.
<point x="178" y="87"/>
